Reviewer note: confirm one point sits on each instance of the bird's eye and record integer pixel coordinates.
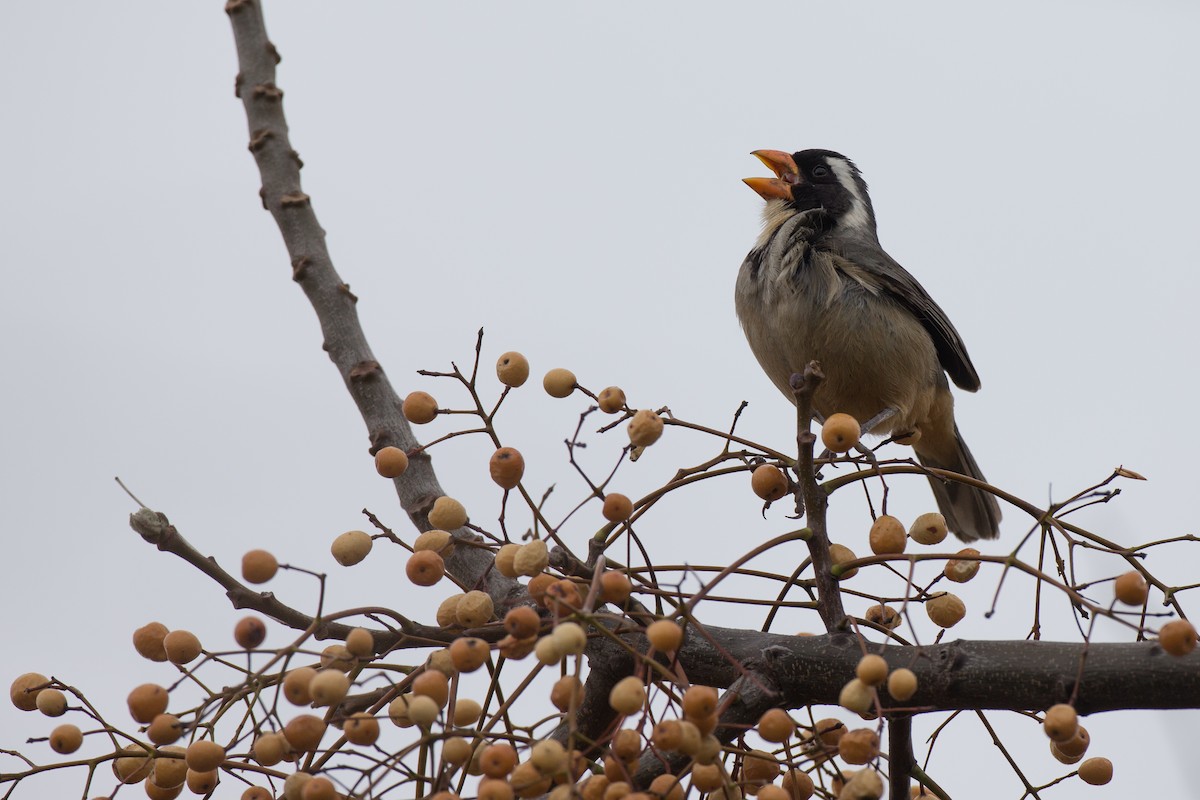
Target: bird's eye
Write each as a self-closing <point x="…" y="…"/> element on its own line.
<point x="820" y="171"/>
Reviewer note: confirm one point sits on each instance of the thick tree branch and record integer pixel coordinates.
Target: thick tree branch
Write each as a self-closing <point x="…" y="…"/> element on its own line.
<point x="345" y="342"/>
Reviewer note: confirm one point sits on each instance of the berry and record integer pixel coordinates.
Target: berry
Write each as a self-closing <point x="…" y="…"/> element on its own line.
<point x="929" y="528"/>
<point x="498" y="760"/>
<point x="258" y="566"/>
<point x="628" y="696"/>
<point x="902" y="684"/>
<point x="887" y="536"/>
<point x="665" y="635"/>
<point x="474" y="609"/>
<point x="611" y="400"/>
<point x="840" y="554"/>
<point x="351" y="547"/>
<point x="945" y="609"/>
<point x="295" y="685"/>
<point x="768" y="482"/>
<point x="425" y="568"/>
<point x="468" y="653"/>
<point x="328" y="687"/>
<point x="1177" y="637"/>
<point x="566" y="691"/>
<point x="840" y="432"/>
<point x="645" y="428"/>
<point x="249" y="632"/>
<point x="859" y="746"/>
<point x="872" y="669"/>
<point x="505" y="557"/>
<point x="962" y="568"/>
<point x="559" y="382"/>
<point x="419" y="408"/>
<point x="615" y="587"/>
<point x="447" y="514"/>
<point x="1096" y="771"/>
<point x="1131" y="588"/>
<point x="506" y="466"/>
<point x="146" y="702"/>
<point x="617" y="507"/>
<point x="204" y="755"/>
<point x="531" y="558"/>
<point x="512" y="369"/>
<point x="164" y="729"/>
<point x="66" y="739"/>
<point x="181" y="646"/>
<point x="856" y="696"/>
<point x="699" y="702"/>
<point x="148" y="639"/>
<point x="776" y="726"/>
<point x="390" y="462"/>
<point x="304" y="732"/>
<point x="1061" y="722"/>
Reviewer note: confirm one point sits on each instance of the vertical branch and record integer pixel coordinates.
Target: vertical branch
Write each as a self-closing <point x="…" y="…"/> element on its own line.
<point x="816" y="501"/>
<point x="900" y="756"/>
<point x="312" y="267"/>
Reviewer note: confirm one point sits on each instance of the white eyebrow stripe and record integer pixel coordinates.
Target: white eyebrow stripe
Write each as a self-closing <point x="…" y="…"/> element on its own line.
<point x="857" y="216"/>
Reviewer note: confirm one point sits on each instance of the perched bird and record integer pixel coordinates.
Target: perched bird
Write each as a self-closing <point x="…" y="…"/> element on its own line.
<point x="819" y="287"/>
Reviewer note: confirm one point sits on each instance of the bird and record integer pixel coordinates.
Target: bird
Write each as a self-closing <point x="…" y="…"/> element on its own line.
<point x="818" y="286"/>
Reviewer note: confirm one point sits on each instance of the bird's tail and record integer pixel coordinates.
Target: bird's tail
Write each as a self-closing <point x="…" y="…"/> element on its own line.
<point x="970" y="513"/>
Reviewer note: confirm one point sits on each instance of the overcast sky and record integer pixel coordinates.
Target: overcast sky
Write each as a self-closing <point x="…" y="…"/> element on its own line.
<point x="568" y="178"/>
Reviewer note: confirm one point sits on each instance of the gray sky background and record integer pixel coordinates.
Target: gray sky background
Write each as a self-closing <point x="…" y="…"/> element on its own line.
<point x="568" y="178"/>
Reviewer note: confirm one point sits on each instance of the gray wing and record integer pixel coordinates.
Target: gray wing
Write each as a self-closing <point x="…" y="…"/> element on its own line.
<point x="904" y="288"/>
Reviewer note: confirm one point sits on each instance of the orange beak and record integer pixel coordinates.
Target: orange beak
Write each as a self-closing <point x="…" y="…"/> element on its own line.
<point x="786" y="175"/>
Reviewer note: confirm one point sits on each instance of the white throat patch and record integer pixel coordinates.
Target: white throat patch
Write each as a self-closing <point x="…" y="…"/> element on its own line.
<point x="857" y="217"/>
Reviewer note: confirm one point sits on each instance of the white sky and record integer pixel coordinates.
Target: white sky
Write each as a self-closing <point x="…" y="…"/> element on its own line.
<point x="568" y="178"/>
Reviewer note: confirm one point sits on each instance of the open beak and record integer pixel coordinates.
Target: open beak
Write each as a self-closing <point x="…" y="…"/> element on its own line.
<point x="786" y="175"/>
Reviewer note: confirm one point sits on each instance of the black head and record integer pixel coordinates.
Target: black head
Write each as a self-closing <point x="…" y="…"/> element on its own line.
<point x="811" y="179"/>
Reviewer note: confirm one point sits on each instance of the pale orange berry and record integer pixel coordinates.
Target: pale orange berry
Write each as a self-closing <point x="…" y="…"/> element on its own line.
<point x="1178" y="637"/>
<point x="249" y="632"/>
<point x="391" y="462"/>
<point x="468" y="653"/>
<point x="147" y="701"/>
<point x="929" y="528"/>
<point x="1131" y="588"/>
<point x="902" y="684"/>
<point x="840" y="554"/>
<point x="617" y="507"/>
<point x="512" y="369"/>
<point x="963" y="568"/>
<point x="872" y="669"/>
<point x="1096" y="771"/>
<point x="425" y="568"/>
<point x="507" y="466"/>
<point x="66" y="739"/>
<point x="258" y="566"/>
<point x="611" y="400"/>
<point x="447" y="514"/>
<point x="419" y="408"/>
<point x="887" y="536"/>
<point x="665" y="635"/>
<point x="1060" y="722"/>
<point x="840" y="432"/>
<point x="181" y="646"/>
<point x="204" y="755"/>
<point x="148" y="639"/>
<point x="351" y="547"/>
<point x="628" y="695"/>
<point x="768" y="482"/>
<point x="645" y="428"/>
<point x="559" y="382"/>
<point x="776" y="726"/>
<point x="945" y="609"/>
